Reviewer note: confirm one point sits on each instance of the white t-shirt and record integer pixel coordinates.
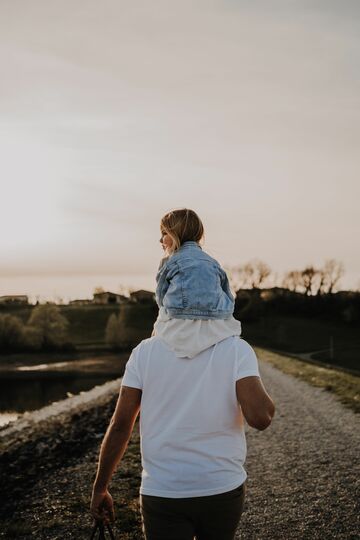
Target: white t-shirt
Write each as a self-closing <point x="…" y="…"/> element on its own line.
<point x="191" y="425"/>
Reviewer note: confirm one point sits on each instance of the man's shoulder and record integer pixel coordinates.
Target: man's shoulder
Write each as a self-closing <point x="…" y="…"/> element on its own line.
<point x="237" y="343"/>
<point x="147" y="344"/>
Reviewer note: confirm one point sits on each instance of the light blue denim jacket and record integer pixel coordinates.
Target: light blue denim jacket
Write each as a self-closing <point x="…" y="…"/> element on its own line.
<point x="192" y="285"/>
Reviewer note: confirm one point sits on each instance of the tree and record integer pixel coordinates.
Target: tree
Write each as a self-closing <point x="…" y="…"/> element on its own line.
<point x="308" y="278"/>
<point x="11" y="332"/>
<point x="237" y="278"/>
<point x="111" y="331"/>
<point x="116" y="332"/>
<point x="32" y="337"/>
<point x="253" y="274"/>
<point x="331" y="273"/>
<point x="292" y="280"/>
<point x="260" y="272"/>
<point x="49" y="324"/>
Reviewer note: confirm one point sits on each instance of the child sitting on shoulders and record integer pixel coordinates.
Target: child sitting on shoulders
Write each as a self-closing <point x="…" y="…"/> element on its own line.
<point x="193" y="294"/>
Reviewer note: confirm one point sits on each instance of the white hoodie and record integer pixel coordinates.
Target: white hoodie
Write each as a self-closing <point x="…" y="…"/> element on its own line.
<point x="188" y="337"/>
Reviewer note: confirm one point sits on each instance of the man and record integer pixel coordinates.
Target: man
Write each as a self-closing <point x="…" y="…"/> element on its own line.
<point x="192" y="437"/>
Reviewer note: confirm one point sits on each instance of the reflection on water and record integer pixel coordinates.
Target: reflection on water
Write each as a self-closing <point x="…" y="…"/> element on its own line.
<point x="39" y="367"/>
<point x="28" y="394"/>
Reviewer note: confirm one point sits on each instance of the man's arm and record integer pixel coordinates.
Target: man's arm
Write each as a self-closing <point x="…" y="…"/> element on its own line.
<point x="256" y="404"/>
<point x="117" y="435"/>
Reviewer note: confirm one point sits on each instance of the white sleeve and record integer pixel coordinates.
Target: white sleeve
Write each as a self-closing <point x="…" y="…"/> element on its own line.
<point x="246" y="361"/>
<point x="132" y="375"/>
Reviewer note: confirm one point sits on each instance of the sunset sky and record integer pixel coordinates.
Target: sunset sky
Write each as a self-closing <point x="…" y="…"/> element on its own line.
<point x="114" y="112"/>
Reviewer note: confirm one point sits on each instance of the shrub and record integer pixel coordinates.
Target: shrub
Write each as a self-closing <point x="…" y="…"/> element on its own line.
<point x="47" y="327"/>
<point x="11" y="333"/>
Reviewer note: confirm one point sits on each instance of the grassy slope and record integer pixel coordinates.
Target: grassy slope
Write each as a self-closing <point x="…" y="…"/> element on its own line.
<point x="344" y="386"/>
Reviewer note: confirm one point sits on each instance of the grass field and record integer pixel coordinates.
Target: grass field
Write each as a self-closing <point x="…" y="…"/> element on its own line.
<point x="345" y="386"/>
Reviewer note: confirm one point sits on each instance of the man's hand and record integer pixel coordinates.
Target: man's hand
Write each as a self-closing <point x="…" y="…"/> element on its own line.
<point x="112" y="450"/>
<point x="102" y="506"/>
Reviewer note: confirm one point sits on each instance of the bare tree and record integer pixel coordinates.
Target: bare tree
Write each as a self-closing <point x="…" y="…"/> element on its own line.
<point x="330" y="273"/>
<point x="308" y="279"/>
<point x="292" y="280"/>
<point x="237" y="278"/>
<point x="253" y="274"/>
<point x="257" y="272"/>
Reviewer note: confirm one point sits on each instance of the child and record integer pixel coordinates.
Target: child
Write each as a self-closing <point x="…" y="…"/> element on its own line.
<point x="193" y="292"/>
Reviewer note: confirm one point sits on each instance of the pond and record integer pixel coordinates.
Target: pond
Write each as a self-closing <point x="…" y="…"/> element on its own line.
<point x="30" y="387"/>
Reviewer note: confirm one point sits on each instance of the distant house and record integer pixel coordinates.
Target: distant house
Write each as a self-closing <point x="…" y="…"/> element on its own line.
<point x="109" y="298"/>
<point x="14" y="299"/>
<point x="80" y="302"/>
<point x="142" y="297"/>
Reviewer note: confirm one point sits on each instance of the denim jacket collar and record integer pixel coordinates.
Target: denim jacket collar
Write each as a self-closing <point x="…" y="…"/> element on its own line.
<point x="189" y="244"/>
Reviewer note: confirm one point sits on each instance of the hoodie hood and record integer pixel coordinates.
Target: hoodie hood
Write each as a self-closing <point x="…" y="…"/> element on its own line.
<point x="189" y="337"/>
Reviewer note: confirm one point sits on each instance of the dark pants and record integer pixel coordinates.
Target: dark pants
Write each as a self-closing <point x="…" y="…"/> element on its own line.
<point x="211" y="517"/>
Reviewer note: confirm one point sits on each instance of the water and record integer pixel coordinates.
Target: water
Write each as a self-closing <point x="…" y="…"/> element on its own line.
<point x="42" y="366"/>
<point x="27" y="388"/>
<point x="18" y="396"/>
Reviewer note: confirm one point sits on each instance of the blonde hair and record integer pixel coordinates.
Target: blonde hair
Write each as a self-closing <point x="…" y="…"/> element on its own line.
<point x="182" y="225"/>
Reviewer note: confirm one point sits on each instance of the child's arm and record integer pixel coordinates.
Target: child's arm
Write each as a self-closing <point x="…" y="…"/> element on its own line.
<point x="225" y="284"/>
<point x="164" y="276"/>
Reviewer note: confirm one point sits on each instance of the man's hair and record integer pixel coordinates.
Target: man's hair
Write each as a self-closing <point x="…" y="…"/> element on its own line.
<point x="182" y="225"/>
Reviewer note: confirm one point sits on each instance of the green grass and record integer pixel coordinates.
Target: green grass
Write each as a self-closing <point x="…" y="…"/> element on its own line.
<point x="344" y="386"/>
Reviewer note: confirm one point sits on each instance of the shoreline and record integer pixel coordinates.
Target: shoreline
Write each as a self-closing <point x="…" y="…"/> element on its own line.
<point x="48" y="461"/>
<point x="67" y="406"/>
<point x="80" y="352"/>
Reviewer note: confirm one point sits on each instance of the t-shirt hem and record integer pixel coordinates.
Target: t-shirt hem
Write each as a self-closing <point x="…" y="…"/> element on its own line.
<point x="192" y="493"/>
<point x="130" y="384"/>
<point x="247" y="374"/>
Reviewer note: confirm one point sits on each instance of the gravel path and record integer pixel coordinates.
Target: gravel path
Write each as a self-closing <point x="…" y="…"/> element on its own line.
<point x="303" y="473"/>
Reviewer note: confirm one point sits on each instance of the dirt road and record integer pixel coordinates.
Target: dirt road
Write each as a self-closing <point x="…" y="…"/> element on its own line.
<point x="303" y="472"/>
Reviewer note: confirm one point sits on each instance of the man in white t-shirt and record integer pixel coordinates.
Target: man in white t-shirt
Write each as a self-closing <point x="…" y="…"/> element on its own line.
<point x="193" y="443"/>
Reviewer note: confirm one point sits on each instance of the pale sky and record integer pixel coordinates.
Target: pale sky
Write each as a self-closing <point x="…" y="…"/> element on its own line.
<point x="114" y="112"/>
